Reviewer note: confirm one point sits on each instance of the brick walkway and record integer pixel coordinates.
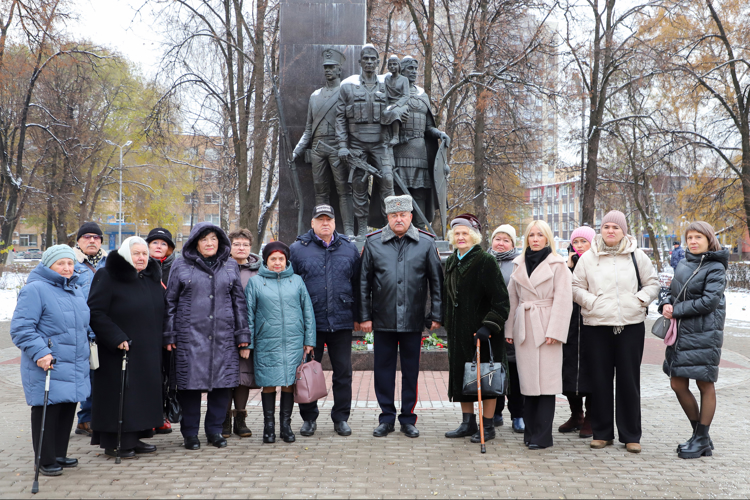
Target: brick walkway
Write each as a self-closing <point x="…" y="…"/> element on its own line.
<point x="329" y="466"/>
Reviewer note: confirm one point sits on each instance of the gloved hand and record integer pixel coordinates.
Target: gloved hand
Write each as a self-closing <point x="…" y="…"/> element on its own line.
<point x="483" y="334"/>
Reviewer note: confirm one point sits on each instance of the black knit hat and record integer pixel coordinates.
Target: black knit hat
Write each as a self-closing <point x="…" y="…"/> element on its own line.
<point x="159" y="233"/>
<point x="275" y="246"/>
<point x="89" y="228"/>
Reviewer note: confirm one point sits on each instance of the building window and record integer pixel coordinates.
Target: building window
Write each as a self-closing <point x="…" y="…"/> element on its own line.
<point x="557" y="208"/>
<point x="188" y="220"/>
<point x="571" y="207"/>
<point x="211" y="198"/>
<point x="536" y="211"/>
<point x="557" y="227"/>
<point x="214" y="219"/>
<point x="28" y="240"/>
<point x="564" y="190"/>
<point x="549" y="209"/>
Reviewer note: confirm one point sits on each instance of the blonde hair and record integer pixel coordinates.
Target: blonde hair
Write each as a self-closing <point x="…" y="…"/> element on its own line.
<point x="546" y="231"/>
<point x="476" y="237"/>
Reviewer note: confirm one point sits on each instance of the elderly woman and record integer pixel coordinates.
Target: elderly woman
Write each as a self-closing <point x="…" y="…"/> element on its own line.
<point x="51" y="320"/>
<point x="701" y="310"/>
<point x="540" y="307"/>
<point x="503" y="249"/>
<point x="476" y="307"/>
<point x="242" y="242"/>
<point x="127" y="306"/>
<point x="576" y="378"/>
<point x="614" y="283"/>
<point x="282" y="322"/>
<point x="205" y="324"/>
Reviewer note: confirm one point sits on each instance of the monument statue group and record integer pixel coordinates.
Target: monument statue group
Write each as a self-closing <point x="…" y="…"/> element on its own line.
<point x="371" y="136"/>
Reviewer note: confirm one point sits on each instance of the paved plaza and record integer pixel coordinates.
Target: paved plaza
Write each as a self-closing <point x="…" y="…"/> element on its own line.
<point x="329" y="466"/>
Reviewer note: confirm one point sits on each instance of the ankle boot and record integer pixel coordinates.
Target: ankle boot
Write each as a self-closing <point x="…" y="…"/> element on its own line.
<point x="269" y="416"/>
<point x="239" y="424"/>
<point x="693" y="424"/>
<point x="575" y="421"/>
<point x="467" y="428"/>
<point x="361" y="228"/>
<point x="699" y="445"/>
<point x="489" y="431"/>
<point x="285" y="417"/>
<point x="226" y="427"/>
<point x="586" y="431"/>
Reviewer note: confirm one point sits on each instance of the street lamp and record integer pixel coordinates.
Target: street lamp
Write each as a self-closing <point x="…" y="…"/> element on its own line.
<point x="119" y="225"/>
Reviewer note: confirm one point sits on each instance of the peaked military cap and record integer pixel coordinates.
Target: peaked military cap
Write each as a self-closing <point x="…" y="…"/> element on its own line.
<point x="333" y="56"/>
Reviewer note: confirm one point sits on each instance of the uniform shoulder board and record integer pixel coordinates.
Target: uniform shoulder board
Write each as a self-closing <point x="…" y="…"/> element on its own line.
<point x="426" y="232"/>
<point x="374" y="233"/>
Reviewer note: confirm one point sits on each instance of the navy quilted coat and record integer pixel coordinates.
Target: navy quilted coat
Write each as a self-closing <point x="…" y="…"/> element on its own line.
<point x="281" y="319"/>
<point x="206" y="316"/>
<point x="331" y="276"/>
<point x="52" y="308"/>
<point x="701" y="312"/>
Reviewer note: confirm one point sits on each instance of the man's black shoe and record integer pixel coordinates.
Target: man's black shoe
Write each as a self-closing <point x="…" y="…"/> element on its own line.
<point x="51" y="470"/>
<point x="308" y="428"/>
<point x="112" y="452"/>
<point x="410" y="430"/>
<point x="192" y="443"/>
<point x="67" y="462"/>
<point x="143" y="448"/>
<point x="342" y="428"/>
<point x="383" y="430"/>
<point x="217" y="440"/>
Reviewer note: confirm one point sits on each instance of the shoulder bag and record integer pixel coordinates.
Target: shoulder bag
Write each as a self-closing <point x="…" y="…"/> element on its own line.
<point x="661" y="326"/>
<point x="493" y="376"/>
<point x="172" y="409"/>
<point x="310" y="383"/>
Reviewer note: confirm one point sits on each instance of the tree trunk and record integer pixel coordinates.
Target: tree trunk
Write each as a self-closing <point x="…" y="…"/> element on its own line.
<point x="429" y="43"/>
<point x="480" y="169"/>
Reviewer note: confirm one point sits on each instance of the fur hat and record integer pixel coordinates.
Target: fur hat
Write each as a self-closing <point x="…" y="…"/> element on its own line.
<point x="395" y="204"/>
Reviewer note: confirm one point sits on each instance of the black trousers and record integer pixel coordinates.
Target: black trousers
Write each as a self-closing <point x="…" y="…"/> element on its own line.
<point x="388" y="345"/>
<point x="340" y="353"/>
<point x="620" y="356"/>
<point x="538" y="413"/>
<point x="216" y="411"/>
<point x="515" y="398"/>
<point x="57" y="426"/>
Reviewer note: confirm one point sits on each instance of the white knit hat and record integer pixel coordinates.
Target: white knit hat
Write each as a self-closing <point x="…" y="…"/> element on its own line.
<point x="507" y="229"/>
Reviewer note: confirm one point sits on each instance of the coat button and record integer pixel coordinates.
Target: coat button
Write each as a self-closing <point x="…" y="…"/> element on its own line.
<point x="210" y="296"/>
<point x="210" y="337"/>
<point x="211" y="316"/>
<point x="399" y="282"/>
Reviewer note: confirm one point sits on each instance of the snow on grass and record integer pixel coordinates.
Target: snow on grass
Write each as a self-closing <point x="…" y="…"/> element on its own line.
<point x="738" y="305"/>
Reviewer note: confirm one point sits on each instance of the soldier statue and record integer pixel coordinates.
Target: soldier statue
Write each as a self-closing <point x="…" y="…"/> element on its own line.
<point x="321" y="127"/>
<point x="359" y="132"/>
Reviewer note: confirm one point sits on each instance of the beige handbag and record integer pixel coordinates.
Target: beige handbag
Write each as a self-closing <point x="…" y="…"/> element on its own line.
<point x="93" y="355"/>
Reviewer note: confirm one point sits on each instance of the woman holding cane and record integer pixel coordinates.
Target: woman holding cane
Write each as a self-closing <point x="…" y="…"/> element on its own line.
<point x="51" y="320"/>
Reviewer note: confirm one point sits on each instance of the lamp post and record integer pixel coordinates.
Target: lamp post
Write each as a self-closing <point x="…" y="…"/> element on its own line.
<point x="119" y="224"/>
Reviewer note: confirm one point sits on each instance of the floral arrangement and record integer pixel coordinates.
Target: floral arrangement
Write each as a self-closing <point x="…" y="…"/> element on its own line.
<point x="434" y="342"/>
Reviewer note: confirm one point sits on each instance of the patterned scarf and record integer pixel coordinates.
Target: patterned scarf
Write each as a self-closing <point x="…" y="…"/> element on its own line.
<point x="92" y="259"/>
<point x="503" y="256"/>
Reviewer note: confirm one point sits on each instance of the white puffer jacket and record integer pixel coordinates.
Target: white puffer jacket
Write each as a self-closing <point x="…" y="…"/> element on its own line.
<point x="606" y="286"/>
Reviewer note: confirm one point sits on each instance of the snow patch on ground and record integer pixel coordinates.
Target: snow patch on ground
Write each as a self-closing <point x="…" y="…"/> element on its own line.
<point x="10" y="286"/>
<point x="738" y="305"/>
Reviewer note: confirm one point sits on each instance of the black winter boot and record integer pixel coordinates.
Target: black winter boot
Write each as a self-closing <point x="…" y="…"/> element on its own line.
<point x="467" y="428"/>
<point x="269" y="416"/>
<point x="489" y="431"/>
<point x="699" y="445"/>
<point x="226" y="427"/>
<point x="694" y="424"/>
<point x="285" y="417"/>
<point x="240" y="428"/>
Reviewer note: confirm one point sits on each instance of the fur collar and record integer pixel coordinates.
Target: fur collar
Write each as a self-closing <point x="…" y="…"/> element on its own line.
<point x="121" y="270"/>
<point x="388" y="234"/>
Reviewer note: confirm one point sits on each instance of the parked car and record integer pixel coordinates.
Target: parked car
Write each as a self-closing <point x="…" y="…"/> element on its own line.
<point x="33" y="253"/>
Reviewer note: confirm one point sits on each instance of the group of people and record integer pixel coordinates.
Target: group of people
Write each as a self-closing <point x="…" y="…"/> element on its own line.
<point x="220" y="320"/>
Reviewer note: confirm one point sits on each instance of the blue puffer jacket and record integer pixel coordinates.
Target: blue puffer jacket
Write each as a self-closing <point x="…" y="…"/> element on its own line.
<point x="84" y="272"/>
<point x="331" y="276"/>
<point x="281" y="319"/>
<point x="52" y="308"/>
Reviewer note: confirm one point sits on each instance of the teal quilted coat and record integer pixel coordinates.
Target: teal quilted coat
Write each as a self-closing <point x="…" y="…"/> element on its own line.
<point x="281" y="321"/>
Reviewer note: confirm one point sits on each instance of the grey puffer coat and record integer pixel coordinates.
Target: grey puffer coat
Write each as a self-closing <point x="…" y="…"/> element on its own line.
<point x="206" y="316"/>
<point x="700" y="311"/>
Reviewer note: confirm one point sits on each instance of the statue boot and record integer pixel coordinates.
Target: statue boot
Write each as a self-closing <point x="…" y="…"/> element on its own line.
<point x="361" y="228"/>
<point x="347" y="216"/>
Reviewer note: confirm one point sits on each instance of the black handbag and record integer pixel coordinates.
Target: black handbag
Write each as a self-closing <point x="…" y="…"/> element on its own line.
<point x="494" y="377"/>
<point x="172" y="407"/>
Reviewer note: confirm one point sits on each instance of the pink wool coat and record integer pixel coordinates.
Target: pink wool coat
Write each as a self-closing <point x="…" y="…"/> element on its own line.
<point x="540" y="307"/>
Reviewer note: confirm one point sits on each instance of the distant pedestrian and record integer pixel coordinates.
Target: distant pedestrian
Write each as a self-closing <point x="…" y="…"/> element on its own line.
<point x="90" y="257"/>
<point x="282" y="321"/>
<point x="400" y="264"/>
<point x="242" y="242"/>
<point x="329" y="265"/>
<point x="206" y="325"/>
<point x="614" y="283"/>
<point x="51" y="320"/>
<point x="576" y="377"/>
<point x="476" y="307"/>
<point x="540" y="306"/>
<point x="700" y="311"/>
<point x="678" y="254"/>
<point x="127" y="307"/>
<point x="503" y="241"/>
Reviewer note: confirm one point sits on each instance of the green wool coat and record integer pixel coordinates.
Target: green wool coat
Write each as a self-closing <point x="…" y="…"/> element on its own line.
<point x="475" y="296"/>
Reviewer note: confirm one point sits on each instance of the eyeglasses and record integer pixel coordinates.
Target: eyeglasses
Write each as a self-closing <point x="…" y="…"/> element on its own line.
<point x="241" y="245"/>
<point x="91" y="237"/>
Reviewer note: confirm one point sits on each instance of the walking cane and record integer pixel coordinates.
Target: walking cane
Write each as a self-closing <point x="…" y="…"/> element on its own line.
<point x="479" y="398"/>
<point x="35" y="485"/>
<point x="122" y="395"/>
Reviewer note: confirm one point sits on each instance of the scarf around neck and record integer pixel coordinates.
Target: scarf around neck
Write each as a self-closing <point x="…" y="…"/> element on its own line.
<point x="533" y="259"/>
<point x="92" y="259"/>
<point x="503" y="256"/>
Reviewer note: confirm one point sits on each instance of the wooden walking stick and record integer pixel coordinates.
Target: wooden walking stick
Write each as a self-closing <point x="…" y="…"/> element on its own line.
<point x="479" y="398"/>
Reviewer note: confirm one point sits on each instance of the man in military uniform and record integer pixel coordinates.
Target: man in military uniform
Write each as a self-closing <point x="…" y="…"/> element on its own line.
<point x="362" y="102"/>
<point x="414" y="158"/>
<point x="321" y="126"/>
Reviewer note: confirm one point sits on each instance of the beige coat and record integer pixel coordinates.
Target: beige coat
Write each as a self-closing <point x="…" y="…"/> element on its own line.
<point x="606" y="286"/>
<point x="540" y="307"/>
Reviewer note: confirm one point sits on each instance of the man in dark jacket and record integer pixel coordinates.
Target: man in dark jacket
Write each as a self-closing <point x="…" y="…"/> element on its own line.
<point x="677" y="255"/>
<point x="399" y="264"/>
<point x="329" y="265"/>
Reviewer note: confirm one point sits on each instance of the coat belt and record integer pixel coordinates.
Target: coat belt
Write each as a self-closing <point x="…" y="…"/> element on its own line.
<point x="530" y="307"/>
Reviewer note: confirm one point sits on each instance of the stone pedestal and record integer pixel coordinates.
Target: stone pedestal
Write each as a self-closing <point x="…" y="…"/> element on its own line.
<point x="306" y="28"/>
